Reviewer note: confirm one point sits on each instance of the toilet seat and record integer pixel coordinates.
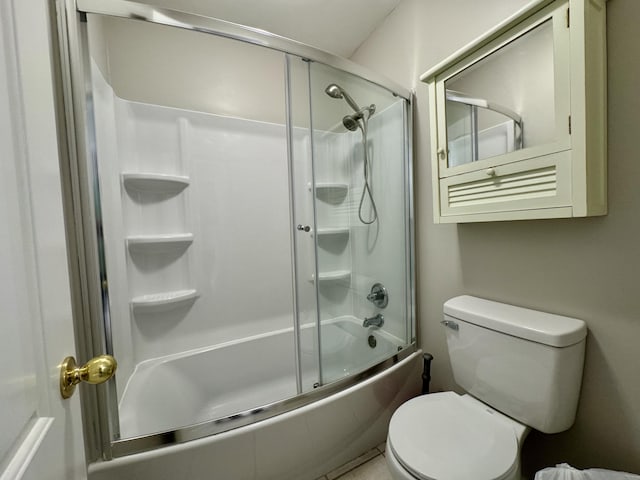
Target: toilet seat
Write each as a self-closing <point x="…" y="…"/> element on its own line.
<point x="445" y="436"/>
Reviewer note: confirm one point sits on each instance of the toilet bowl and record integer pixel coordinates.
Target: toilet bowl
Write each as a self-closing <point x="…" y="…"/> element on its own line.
<point x="453" y="437"/>
<point x="521" y="369"/>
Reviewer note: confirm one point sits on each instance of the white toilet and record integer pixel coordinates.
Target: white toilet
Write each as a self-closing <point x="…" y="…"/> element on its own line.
<point x="521" y="369"/>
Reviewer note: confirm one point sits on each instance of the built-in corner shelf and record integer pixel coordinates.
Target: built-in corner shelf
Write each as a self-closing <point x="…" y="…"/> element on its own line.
<point x="159" y="243"/>
<point x="334" y="276"/>
<point x="154" y="182"/>
<point x="326" y="187"/>
<point x="331" y="231"/>
<point x="329" y="192"/>
<point x="157" y="302"/>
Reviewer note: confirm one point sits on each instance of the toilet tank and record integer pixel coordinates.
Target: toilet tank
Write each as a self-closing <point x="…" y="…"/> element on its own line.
<point x="525" y="363"/>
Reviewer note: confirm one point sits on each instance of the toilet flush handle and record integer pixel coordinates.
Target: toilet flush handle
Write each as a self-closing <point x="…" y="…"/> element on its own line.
<point x="450" y="324"/>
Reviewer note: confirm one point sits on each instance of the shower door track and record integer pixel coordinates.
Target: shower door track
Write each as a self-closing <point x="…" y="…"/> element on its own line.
<point x="222" y="28"/>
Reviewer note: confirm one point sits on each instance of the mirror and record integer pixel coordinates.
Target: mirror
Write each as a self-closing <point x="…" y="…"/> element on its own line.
<point x="503" y="102"/>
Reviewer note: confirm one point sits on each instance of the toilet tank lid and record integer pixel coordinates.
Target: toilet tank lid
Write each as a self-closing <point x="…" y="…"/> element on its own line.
<point x="533" y="325"/>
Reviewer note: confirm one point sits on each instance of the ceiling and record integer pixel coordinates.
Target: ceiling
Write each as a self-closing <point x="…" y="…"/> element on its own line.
<point x="338" y="26"/>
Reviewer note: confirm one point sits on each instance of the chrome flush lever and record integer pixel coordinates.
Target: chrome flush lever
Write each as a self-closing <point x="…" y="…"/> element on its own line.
<point x="450" y="324"/>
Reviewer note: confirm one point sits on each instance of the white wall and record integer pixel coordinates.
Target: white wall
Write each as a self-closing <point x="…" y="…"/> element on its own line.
<point x="179" y="68"/>
<point x="586" y="268"/>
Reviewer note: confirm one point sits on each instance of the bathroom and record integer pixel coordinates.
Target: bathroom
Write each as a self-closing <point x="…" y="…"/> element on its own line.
<point x="582" y="268"/>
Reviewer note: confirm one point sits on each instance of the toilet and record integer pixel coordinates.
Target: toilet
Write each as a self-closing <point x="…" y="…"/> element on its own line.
<point x="520" y="369"/>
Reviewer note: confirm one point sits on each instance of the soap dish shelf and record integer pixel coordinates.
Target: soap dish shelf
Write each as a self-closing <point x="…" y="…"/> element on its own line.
<point x="333" y="276"/>
<point x="330" y="231"/>
<point x="159" y="243"/>
<point x="157" y="302"/>
<point x="154" y="182"/>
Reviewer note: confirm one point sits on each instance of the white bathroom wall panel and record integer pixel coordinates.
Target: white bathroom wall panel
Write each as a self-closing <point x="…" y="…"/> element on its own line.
<point x="332" y="169"/>
<point x="107" y="151"/>
<point x="236" y="206"/>
<point x="378" y="250"/>
<point x="371" y="253"/>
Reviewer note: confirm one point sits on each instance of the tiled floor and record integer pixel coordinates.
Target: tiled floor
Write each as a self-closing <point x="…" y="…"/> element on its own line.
<point x="370" y="466"/>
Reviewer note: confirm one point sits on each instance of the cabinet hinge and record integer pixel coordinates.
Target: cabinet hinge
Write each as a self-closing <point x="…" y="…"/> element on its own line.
<point x="569" y="124"/>
<point x="568" y="17"/>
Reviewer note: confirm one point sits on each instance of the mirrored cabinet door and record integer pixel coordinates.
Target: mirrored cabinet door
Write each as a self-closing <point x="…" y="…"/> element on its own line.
<point x="488" y="103"/>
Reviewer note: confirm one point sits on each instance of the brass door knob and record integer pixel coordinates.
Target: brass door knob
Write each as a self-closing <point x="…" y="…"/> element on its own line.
<point x="97" y="370"/>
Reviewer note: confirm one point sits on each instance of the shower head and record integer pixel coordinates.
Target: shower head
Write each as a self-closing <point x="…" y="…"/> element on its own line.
<point x="352" y="122"/>
<point x="336" y="91"/>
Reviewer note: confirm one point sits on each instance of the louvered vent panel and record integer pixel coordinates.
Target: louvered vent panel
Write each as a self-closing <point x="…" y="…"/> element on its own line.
<point x="518" y="186"/>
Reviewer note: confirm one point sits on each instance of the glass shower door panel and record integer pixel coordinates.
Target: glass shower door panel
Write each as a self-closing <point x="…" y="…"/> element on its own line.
<point x="304" y="223"/>
<point x="195" y="203"/>
<point x="360" y="164"/>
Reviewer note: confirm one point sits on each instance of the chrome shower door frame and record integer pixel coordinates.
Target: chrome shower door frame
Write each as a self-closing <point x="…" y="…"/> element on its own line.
<point x="77" y="136"/>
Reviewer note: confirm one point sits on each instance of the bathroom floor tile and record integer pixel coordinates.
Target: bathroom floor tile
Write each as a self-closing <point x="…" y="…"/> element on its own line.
<point x="348" y="467"/>
<point x="374" y="469"/>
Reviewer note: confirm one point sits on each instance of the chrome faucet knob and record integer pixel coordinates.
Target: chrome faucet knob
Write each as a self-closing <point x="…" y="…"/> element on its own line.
<point x="306" y="228"/>
<point x="379" y="296"/>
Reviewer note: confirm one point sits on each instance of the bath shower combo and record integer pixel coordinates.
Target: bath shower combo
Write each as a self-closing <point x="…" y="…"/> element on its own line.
<point x="212" y="184"/>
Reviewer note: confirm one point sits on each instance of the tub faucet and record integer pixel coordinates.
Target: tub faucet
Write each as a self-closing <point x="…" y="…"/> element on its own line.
<point x="376" y="321"/>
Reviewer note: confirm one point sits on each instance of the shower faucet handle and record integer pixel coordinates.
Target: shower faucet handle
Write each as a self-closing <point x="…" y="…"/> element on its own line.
<point x="379" y="295"/>
<point x="306" y="228"/>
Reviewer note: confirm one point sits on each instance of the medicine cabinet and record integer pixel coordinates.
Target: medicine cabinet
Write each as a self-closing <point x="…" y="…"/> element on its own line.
<point x="518" y="118"/>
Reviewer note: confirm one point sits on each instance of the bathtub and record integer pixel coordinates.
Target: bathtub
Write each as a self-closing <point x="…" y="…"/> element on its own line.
<point x="297" y="444"/>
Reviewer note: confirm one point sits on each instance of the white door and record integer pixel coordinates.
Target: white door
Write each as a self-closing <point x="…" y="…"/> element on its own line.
<point x="40" y="434"/>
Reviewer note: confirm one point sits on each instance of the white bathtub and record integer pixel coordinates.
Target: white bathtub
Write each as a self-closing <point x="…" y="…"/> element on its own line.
<point x="300" y="444"/>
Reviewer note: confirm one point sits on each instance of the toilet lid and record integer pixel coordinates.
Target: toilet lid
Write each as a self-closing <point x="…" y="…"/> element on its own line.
<point x="441" y="436"/>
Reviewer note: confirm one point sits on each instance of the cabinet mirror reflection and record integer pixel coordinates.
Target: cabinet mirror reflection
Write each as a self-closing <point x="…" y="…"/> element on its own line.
<point x="503" y="102"/>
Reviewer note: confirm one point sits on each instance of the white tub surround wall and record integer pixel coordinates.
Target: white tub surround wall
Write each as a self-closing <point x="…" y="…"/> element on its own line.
<point x="180" y="190"/>
<point x="333" y="164"/>
<point x="378" y="250"/>
<point x="353" y="256"/>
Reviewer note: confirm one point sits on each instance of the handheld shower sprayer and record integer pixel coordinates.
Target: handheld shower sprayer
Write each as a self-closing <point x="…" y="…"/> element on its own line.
<point x="352" y="122"/>
<point x="336" y="91"/>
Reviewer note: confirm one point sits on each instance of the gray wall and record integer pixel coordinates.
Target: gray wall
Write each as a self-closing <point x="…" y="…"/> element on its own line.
<point x="585" y="268"/>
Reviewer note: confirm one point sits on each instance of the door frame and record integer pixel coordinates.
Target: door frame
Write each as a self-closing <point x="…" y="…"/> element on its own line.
<point x="78" y="159"/>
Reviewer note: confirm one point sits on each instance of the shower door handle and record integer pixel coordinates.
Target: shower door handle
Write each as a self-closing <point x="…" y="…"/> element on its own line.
<point x="306" y="228"/>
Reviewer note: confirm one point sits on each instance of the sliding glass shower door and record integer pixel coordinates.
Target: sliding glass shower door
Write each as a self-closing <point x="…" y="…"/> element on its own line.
<point x="362" y="202"/>
<point x="350" y="178"/>
<point x="193" y="175"/>
<point x="247" y="217"/>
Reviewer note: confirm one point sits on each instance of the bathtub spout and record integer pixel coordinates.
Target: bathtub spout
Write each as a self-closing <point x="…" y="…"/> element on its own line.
<point x="376" y="321"/>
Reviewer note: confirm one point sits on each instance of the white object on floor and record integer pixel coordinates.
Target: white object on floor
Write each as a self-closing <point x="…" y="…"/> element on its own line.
<point x="565" y="471"/>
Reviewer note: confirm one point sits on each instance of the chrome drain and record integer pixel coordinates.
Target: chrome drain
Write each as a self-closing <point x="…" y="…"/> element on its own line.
<point x="372" y="341"/>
